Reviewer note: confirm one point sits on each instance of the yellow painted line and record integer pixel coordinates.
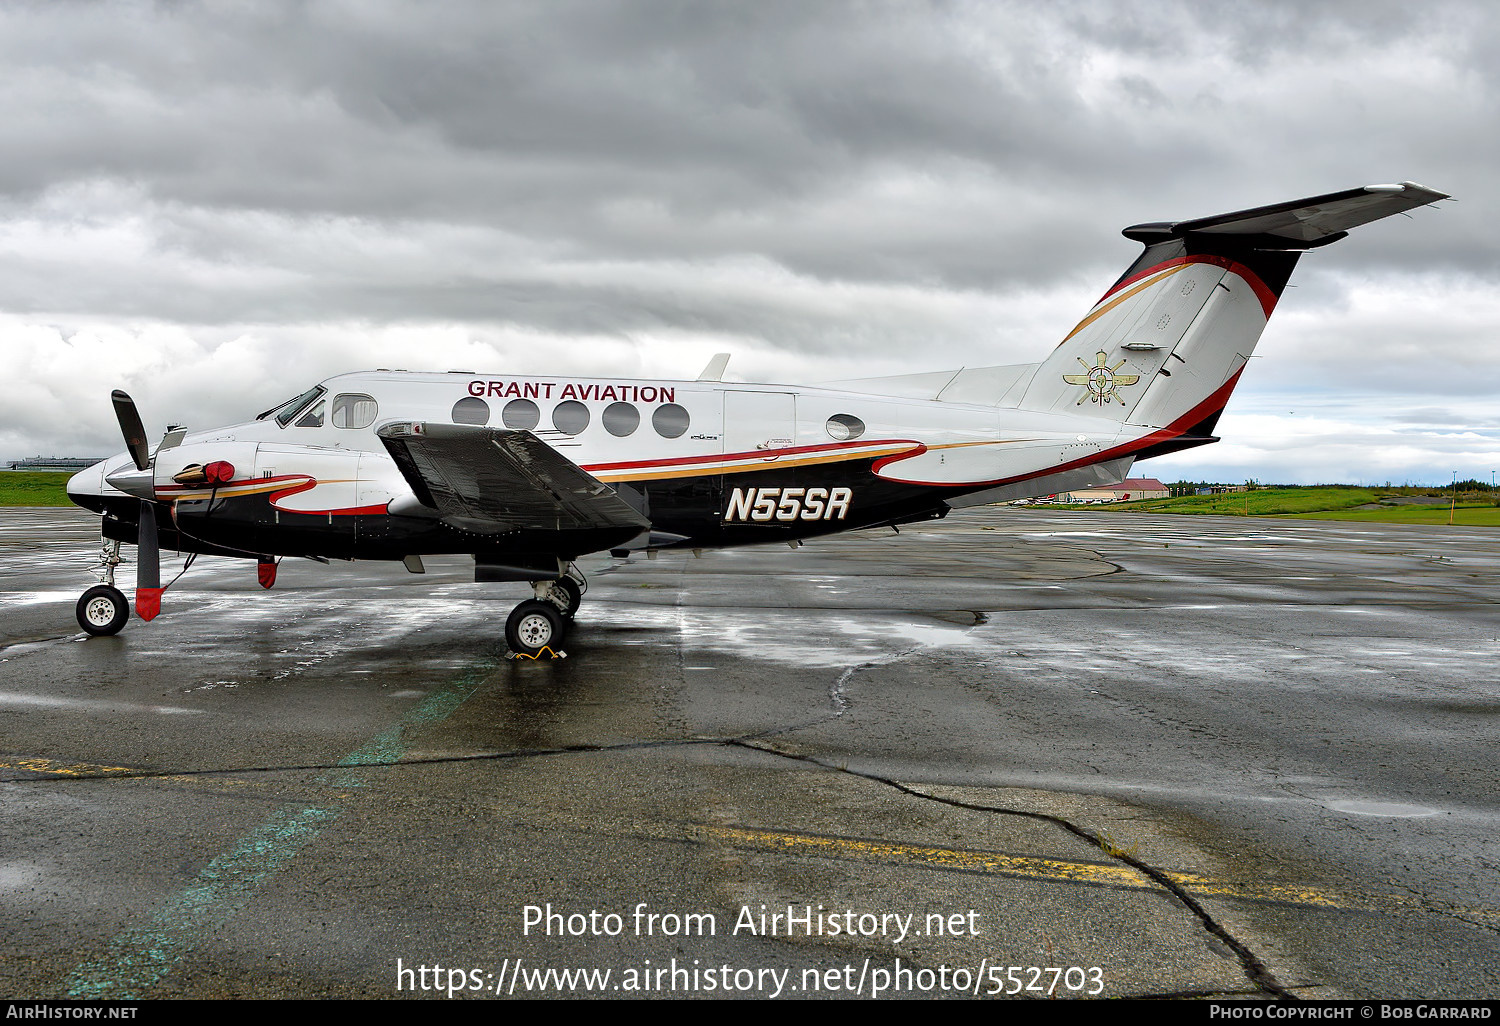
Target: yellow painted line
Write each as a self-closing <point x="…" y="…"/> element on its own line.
<point x="64" y="769"/>
<point x="939" y="858"/>
<point x="58" y="770"/>
<point x="1067" y="871"/>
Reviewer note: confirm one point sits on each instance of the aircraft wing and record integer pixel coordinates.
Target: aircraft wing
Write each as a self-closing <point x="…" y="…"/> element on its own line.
<point x="492" y="480"/>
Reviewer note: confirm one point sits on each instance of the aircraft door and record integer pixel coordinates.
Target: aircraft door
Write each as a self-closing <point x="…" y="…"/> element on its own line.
<point x="759" y="420"/>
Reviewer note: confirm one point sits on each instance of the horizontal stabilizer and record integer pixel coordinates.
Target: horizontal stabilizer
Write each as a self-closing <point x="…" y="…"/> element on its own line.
<point x="1302" y="223"/>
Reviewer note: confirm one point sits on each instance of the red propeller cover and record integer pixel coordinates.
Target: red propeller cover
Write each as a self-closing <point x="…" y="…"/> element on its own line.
<point x="148" y="602"/>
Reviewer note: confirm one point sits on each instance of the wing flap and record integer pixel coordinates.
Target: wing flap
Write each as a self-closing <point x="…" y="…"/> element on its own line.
<point x="491" y="480"/>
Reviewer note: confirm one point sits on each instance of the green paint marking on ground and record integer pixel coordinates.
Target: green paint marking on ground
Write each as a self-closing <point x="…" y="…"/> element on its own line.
<point x="389" y="745"/>
<point x="139" y="958"/>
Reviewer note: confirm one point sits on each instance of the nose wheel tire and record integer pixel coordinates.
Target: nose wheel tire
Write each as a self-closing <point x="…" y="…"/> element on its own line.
<point x="102" y="610"/>
<point x="534" y="626"/>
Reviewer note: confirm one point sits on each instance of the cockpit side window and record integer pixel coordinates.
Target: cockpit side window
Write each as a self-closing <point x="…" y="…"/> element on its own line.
<point x="289" y="409"/>
<point x="353" y="410"/>
<point x="312" y="418"/>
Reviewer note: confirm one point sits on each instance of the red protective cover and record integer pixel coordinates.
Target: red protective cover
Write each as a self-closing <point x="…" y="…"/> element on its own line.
<point x="148" y="602"/>
<point x="265" y="573"/>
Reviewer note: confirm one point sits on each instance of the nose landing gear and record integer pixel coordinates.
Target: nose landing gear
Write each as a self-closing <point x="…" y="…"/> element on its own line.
<point x="103" y="609"/>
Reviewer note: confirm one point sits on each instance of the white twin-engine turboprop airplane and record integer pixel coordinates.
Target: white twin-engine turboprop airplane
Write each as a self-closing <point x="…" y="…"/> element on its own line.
<point x="527" y="474"/>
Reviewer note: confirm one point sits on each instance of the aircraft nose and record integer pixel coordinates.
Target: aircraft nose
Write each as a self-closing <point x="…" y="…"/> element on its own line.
<point x="86" y="488"/>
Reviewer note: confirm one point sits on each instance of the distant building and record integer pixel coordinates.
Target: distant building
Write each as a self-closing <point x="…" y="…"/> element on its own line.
<point x="1128" y="490"/>
<point x="55" y="463"/>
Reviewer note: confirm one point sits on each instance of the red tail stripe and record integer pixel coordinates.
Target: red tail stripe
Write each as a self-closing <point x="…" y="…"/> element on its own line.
<point x="1262" y="290"/>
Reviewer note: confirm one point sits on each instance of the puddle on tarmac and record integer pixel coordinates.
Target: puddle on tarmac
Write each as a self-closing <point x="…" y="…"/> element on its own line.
<point x="1388" y="809"/>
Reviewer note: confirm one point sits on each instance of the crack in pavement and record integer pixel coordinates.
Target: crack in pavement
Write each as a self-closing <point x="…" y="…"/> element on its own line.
<point x="1254" y="968"/>
<point x="836" y="696"/>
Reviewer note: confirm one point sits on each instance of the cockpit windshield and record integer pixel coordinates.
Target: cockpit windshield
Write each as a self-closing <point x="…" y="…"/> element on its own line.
<point x="289" y="409"/>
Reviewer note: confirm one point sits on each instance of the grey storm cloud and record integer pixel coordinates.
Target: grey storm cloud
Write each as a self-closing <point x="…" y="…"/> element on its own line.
<point x="825" y="188"/>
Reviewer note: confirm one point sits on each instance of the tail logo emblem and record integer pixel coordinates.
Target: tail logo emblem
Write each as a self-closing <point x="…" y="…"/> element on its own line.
<point x="1101" y="380"/>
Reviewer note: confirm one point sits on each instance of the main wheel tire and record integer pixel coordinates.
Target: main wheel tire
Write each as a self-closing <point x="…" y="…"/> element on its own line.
<point x="533" y="626"/>
<point x="102" y="610"/>
<point x="574" y="593"/>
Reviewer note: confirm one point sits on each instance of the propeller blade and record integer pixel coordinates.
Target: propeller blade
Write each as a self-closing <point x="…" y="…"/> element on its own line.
<point x="148" y="565"/>
<point x="131" y="428"/>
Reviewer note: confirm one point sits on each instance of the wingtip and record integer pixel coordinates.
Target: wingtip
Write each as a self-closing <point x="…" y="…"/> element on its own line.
<point x="1410" y="188"/>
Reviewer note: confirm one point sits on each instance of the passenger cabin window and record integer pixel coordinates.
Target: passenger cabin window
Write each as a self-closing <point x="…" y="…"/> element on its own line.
<point x="570" y="417"/>
<point x="470" y="410"/>
<point x="313" y="417"/>
<point x="621" y="419"/>
<point x="844" y="427"/>
<point x="670" y="420"/>
<point x="353" y="410"/>
<point x="520" y="415"/>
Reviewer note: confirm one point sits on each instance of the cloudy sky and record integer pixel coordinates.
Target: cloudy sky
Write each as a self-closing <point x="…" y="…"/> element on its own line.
<point x="215" y="205"/>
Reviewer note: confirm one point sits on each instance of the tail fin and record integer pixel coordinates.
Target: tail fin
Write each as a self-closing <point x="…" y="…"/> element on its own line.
<point x="1166" y="344"/>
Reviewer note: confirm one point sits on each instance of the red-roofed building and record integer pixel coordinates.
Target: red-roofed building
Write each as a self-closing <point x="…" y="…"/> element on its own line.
<point x="1128" y="490"/>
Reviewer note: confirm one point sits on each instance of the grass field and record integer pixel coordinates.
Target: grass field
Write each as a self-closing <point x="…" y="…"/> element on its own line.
<point x="1331" y="503"/>
<point x="1463" y="516"/>
<point x="33" y="488"/>
<point x="1263" y="502"/>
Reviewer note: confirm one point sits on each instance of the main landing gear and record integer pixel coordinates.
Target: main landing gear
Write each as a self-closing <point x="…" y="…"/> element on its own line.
<point x="535" y="628"/>
<point x="103" y="609"/>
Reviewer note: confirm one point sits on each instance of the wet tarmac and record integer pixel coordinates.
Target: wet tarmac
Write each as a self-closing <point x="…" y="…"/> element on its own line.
<point x="1143" y="755"/>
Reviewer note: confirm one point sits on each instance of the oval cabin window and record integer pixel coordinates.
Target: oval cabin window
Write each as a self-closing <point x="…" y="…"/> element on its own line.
<point x="621" y="419"/>
<point x="470" y="410"/>
<point x="843" y="427"/>
<point x="670" y="421"/>
<point x="570" y="417"/>
<point x="520" y="415"/>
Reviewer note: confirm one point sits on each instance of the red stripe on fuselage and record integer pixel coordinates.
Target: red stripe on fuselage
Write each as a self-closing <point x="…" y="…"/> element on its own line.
<point x="303" y="483"/>
<point x="735" y="457"/>
<point x="1179" y="427"/>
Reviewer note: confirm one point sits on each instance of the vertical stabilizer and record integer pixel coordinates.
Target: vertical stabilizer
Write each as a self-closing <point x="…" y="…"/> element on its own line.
<point x="1166" y="344"/>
